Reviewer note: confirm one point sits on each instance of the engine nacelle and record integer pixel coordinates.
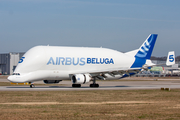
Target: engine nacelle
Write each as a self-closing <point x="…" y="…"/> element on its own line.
<point x="51" y="81"/>
<point x="80" y="78"/>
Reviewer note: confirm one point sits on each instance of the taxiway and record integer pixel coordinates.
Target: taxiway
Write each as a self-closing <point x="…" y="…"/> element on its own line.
<point x="104" y="85"/>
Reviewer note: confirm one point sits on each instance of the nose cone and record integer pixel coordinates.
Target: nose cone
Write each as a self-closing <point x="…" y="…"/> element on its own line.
<point x="10" y="78"/>
<point x="16" y="79"/>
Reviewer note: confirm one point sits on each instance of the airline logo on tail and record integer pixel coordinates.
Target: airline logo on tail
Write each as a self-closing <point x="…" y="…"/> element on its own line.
<point x="145" y="51"/>
<point x="146" y="48"/>
<point x="170" y="58"/>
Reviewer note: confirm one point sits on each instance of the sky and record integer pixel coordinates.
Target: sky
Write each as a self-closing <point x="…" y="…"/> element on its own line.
<point x="121" y="25"/>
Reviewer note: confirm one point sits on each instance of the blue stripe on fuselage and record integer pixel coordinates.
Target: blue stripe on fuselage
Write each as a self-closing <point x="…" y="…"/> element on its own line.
<point x="139" y="62"/>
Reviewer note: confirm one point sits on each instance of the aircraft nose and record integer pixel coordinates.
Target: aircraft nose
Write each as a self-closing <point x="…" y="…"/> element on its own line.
<point x="16" y="79"/>
<point x="10" y="78"/>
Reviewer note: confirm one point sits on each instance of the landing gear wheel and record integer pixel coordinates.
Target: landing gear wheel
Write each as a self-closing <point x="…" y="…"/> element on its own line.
<point x="32" y="86"/>
<point x="76" y="85"/>
<point x="94" y="85"/>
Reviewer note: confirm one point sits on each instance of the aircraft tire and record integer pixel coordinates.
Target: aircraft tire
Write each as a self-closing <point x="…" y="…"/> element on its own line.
<point x="32" y="86"/>
<point x="97" y="85"/>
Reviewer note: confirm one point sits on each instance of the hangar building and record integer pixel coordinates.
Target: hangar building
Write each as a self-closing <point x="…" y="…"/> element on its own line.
<point x="8" y="62"/>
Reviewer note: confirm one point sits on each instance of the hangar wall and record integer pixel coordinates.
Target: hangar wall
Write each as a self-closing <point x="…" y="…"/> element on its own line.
<point x="8" y="62"/>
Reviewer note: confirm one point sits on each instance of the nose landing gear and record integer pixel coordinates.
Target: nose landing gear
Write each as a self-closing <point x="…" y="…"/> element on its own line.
<point x="32" y="85"/>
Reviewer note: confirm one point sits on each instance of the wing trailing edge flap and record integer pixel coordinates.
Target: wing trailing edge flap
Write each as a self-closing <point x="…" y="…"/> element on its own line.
<point x="103" y="75"/>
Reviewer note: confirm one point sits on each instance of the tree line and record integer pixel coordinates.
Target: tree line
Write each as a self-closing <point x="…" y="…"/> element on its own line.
<point x="163" y="58"/>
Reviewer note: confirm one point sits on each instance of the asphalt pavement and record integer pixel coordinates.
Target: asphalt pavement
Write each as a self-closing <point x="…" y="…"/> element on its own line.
<point x="126" y="84"/>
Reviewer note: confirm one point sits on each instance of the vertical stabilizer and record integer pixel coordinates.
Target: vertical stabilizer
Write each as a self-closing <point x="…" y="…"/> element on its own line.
<point x="170" y="58"/>
<point x="146" y="48"/>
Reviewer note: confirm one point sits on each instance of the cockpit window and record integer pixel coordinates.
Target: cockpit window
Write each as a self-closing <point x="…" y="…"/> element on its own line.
<point x="16" y="74"/>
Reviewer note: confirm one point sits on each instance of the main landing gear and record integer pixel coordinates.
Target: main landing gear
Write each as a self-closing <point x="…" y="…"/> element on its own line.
<point x="94" y="85"/>
<point x="31" y="85"/>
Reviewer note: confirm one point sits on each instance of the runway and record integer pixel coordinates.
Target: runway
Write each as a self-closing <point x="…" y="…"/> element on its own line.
<point x="104" y="85"/>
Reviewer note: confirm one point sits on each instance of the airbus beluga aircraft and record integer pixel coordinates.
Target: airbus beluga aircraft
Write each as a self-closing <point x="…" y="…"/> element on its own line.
<point x="81" y="65"/>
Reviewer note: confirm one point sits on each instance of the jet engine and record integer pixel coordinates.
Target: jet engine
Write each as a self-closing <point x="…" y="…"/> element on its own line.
<point x="51" y="81"/>
<point x="80" y="78"/>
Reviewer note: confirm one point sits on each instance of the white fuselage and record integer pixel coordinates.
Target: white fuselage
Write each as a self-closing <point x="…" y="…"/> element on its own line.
<point x="57" y="63"/>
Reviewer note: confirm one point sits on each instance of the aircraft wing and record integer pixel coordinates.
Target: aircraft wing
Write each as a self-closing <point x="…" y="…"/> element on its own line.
<point x="102" y="74"/>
